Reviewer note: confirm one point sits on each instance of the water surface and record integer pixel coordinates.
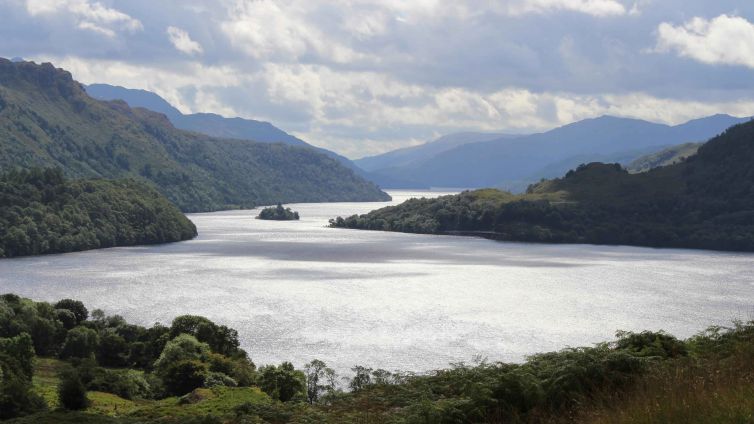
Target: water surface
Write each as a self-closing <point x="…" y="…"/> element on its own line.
<point x="298" y="290"/>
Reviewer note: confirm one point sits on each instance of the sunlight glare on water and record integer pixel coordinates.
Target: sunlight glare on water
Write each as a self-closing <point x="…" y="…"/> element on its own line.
<point x="298" y="290"/>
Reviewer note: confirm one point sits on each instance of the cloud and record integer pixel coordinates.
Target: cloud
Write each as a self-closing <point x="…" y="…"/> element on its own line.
<point x="590" y="7"/>
<point x="725" y="40"/>
<point x="282" y="30"/>
<point x="92" y="16"/>
<point x="182" y="41"/>
<point x="365" y="76"/>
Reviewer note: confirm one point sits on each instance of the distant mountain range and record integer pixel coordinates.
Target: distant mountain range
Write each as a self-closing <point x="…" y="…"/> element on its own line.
<point x="218" y="126"/>
<point x="705" y="201"/>
<point x="413" y="154"/>
<point x="463" y="160"/>
<point x="48" y="120"/>
<point x="206" y="123"/>
<point x="514" y="162"/>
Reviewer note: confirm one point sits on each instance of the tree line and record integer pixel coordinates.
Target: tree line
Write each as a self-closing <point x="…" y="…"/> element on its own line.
<point x="43" y="212"/>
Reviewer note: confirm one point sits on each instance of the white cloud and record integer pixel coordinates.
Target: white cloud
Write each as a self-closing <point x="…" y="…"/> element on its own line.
<point x="590" y="7"/>
<point x="182" y="41"/>
<point x="359" y="113"/>
<point x="86" y="25"/>
<point x="723" y="40"/>
<point x="281" y="30"/>
<point x="168" y="82"/>
<point x="93" y="16"/>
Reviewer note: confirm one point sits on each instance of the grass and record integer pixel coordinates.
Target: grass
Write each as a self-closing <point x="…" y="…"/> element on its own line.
<point x="46" y="379"/>
<point x="218" y="401"/>
<point x="110" y="404"/>
<point x="68" y="417"/>
<point x="714" y="392"/>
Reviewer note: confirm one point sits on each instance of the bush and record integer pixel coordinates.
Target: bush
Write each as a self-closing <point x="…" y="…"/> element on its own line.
<point x="71" y="391"/>
<point x="219" y="379"/>
<point x="128" y="384"/>
<point x="76" y="307"/>
<point x="183" y="347"/>
<point x="184" y="376"/>
<point x="80" y="342"/>
<point x="283" y="382"/>
<point x="16" y="395"/>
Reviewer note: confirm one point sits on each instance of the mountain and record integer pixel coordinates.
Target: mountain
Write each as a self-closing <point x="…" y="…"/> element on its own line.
<point x="515" y="162"/>
<point x="664" y="157"/>
<point x="706" y="202"/>
<point x="205" y="123"/>
<point x="238" y="128"/>
<point x="408" y="155"/>
<point x="48" y="120"/>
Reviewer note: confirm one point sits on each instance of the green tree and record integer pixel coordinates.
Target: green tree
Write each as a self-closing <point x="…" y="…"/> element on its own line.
<point x="317" y="381"/>
<point x="80" y="342"/>
<point x="17" y="396"/>
<point x="361" y="379"/>
<point x="113" y="349"/>
<point x="184" y="376"/>
<point x="181" y="348"/>
<point x="75" y="306"/>
<point x="283" y="382"/>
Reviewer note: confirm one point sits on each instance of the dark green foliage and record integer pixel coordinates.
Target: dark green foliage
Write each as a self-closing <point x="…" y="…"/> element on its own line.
<point x="151" y="363"/>
<point x="554" y="387"/>
<point x="184" y="376"/>
<point x="704" y="202"/>
<point x="362" y="378"/>
<point x="76" y="307"/>
<point x="21" y="350"/>
<point x="80" y="342"/>
<point x="319" y="380"/>
<point x="41" y="212"/>
<point x="49" y="120"/>
<point x="221" y="339"/>
<point x="72" y="392"/>
<point x="16" y="368"/>
<point x="282" y="382"/>
<point x="113" y="350"/>
<point x="66" y="317"/>
<point x="16" y="395"/>
<point x="651" y="344"/>
<point x="278" y="213"/>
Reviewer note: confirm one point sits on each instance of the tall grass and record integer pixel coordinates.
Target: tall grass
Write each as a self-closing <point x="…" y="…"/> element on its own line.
<point x="691" y="390"/>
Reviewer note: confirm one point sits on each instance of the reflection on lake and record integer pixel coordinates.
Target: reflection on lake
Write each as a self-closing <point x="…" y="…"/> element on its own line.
<point x="296" y="290"/>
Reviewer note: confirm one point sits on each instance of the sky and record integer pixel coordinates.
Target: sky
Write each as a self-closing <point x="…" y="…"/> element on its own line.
<point x="362" y="77"/>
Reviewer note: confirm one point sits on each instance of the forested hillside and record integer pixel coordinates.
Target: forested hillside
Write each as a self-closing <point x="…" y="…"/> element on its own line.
<point x="704" y="202"/>
<point x="42" y="212"/>
<point x="48" y="120"/>
<point x="664" y="157"/>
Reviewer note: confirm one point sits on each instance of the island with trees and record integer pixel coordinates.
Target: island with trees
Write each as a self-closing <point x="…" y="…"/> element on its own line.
<point x="278" y="213"/>
<point x="43" y="212"/>
<point x="61" y="363"/>
<point x="705" y="202"/>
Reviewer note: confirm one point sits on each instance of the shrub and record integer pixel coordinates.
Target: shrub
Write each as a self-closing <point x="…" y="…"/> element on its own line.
<point x="71" y="391"/>
<point x="76" y="307"/>
<point x="80" y="342"/>
<point x="184" y="376"/>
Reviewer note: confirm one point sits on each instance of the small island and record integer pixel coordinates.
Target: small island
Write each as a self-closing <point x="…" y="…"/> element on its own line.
<point x="278" y="213"/>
